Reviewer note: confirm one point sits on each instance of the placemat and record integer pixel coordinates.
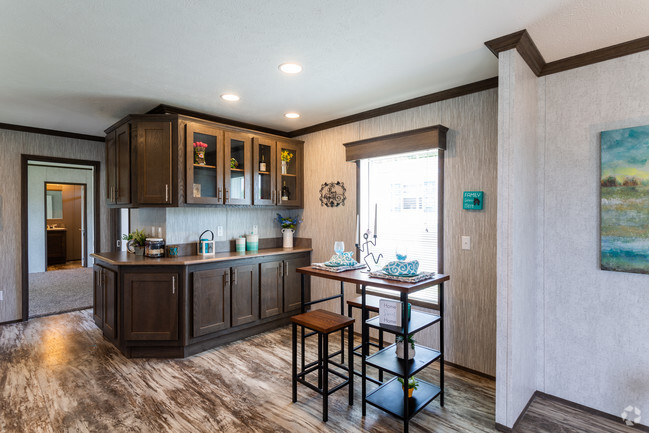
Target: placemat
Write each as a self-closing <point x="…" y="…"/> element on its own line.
<point x="323" y="267"/>
<point x="417" y="278"/>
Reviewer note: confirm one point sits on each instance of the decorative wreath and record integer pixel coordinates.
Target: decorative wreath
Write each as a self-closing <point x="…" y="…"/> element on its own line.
<point x="332" y="194"/>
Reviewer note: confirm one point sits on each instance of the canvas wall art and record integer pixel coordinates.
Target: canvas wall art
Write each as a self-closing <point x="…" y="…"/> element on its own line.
<point x="625" y="200"/>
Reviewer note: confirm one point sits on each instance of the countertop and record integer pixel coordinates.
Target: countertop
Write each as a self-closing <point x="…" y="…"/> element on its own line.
<point x="122" y="258"/>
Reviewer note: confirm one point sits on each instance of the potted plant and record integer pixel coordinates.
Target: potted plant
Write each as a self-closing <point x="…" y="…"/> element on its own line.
<point x="136" y="242"/>
<point x="286" y="157"/>
<point x="289" y="225"/>
<point x="400" y="343"/>
<point x="413" y="384"/>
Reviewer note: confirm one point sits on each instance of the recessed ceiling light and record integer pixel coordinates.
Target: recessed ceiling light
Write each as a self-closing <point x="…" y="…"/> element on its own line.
<point x="229" y="97"/>
<point x="290" y="68"/>
<point x="292" y="115"/>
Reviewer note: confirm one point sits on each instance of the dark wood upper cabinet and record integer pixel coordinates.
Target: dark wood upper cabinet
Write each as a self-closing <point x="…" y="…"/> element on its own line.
<point x="151" y="306"/>
<point x="238" y="170"/>
<point x="265" y="171"/>
<point x="154" y="155"/>
<point x="293" y="282"/>
<point x="245" y="294"/>
<point x="290" y="174"/>
<point x="204" y="170"/>
<point x="210" y="301"/>
<point x="271" y="286"/>
<point x="111" y="165"/>
<point x="122" y="191"/>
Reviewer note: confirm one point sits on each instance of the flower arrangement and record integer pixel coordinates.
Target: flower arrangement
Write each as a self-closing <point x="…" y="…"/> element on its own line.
<point x="289" y="223"/>
<point x="199" y="152"/>
<point x="199" y="145"/>
<point x="286" y="156"/>
<point x="234" y="163"/>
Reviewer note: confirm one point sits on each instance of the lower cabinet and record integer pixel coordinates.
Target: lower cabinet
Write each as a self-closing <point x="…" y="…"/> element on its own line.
<point x="281" y="286"/>
<point x="151" y="306"/>
<point x="245" y="294"/>
<point x="293" y="282"/>
<point x="104" y="310"/>
<point x="210" y="301"/>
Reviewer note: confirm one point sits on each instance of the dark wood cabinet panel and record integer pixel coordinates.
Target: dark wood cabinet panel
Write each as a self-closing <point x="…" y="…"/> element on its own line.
<point x="293" y="283"/>
<point x="98" y="296"/>
<point x="154" y="163"/>
<point x="204" y="178"/>
<point x="210" y="301"/>
<point x="122" y="176"/>
<point x="265" y="171"/>
<point x="238" y="180"/>
<point x="111" y="164"/>
<point x="290" y="180"/>
<point x="109" y="285"/>
<point x="271" y="284"/>
<point x="151" y="306"/>
<point x="245" y="294"/>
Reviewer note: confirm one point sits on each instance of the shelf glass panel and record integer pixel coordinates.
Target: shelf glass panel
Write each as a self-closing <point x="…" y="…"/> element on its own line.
<point x="204" y="168"/>
<point x="237" y="178"/>
<point x="288" y="188"/>
<point x="289" y="167"/>
<point x="388" y="361"/>
<point x="418" y="321"/>
<point x="265" y="166"/>
<point x="389" y="397"/>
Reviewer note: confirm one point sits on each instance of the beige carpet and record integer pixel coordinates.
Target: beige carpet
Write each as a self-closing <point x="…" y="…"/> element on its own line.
<point x="56" y="292"/>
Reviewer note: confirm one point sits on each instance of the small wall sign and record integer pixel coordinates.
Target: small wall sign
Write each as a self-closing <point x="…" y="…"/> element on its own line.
<point x="472" y="200"/>
<point x="390" y="312"/>
<point x="332" y="194"/>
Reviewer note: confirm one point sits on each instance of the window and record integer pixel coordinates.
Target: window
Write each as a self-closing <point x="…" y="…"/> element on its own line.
<point x="404" y="191"/>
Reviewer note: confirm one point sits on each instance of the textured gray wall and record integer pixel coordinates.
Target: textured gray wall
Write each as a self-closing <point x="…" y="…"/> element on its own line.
<point x="470" y="164"/>
<point x="518" y="232"/>
<point x="12" y="145"/>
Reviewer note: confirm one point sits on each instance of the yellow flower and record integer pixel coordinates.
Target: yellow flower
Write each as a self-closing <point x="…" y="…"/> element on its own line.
<point x="286" y="156"/>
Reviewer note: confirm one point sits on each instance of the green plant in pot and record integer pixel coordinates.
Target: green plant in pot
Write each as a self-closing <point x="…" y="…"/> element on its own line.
<point x="413" y="384"/>
<point x="400" y="348"/>
<point x="136" y="242"/>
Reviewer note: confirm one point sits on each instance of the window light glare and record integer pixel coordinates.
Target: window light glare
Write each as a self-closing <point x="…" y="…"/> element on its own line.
<point x="290" y="68"/>
<point x="229" y="97"/>
<point x="292" y="115"/>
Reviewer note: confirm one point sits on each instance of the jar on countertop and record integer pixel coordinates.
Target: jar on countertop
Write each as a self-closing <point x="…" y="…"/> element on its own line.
<point x="154" y="247"/>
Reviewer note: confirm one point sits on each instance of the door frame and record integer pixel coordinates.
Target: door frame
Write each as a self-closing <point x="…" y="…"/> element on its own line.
<point x="84" y="212"/>
<point x="24" y="226"/>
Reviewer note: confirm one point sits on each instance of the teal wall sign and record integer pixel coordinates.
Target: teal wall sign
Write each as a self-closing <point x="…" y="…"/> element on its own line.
<point x="472" y="200"/>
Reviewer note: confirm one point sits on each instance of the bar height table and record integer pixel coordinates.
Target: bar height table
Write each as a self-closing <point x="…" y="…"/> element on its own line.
<point x="385" y="397"/>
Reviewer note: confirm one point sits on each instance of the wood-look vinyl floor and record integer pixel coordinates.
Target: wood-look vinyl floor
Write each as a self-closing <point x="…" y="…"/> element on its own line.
<point x="57" y="374"/>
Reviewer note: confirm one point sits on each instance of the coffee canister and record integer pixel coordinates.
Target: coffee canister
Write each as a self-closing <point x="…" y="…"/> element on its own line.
<point x="154" y="247"/>
<point x="240" y="244"/>
<point x="252" y="242"/>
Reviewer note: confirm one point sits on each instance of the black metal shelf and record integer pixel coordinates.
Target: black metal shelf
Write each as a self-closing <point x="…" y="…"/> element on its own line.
<point x="417" y="322"/>
<point x="387" y="360"/>
<point x="389" y="397"/>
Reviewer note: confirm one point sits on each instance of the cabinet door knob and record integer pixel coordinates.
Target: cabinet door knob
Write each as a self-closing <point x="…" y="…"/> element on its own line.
<point x="281" y="270"/>
<point x="166" y="192"/>
<point x="219" y="197"/>
<point x="272" y="196"/>
<point x="173" y="285"/>
<point x="234" y="277"/>
<point x="227" y="195"/>
<point x="286" y="268"/>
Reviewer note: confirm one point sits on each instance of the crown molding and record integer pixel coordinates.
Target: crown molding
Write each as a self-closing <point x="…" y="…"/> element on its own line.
<point x="523" y="43"/>
<point x="51" y="132"/>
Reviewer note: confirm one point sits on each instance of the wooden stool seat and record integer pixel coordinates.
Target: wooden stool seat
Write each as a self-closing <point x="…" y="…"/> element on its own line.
<point x="371" y="303"/>
<point x="322" y="321"/>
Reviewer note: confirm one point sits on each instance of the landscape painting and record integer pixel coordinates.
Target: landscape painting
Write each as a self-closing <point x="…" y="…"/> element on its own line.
<point x="625" y="200"/>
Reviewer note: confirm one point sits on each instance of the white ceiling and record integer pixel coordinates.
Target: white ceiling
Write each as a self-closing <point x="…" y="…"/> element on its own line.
<point x="81" y="65"/>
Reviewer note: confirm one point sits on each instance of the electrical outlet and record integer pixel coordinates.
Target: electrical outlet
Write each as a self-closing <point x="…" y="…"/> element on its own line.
<point x="255" y="230"/>
<point x="2" y="295"/>
<point x="466" y="242"/>
<point x="219" y="231"/>
<point x="119" y="243"/>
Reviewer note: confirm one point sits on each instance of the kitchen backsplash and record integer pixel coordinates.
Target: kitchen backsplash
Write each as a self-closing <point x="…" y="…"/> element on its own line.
<point x="183" y="225"/>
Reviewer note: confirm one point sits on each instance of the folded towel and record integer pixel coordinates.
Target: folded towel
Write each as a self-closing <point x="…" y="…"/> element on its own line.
<point x="344" y="259"/>
<point x="400" y="268"/>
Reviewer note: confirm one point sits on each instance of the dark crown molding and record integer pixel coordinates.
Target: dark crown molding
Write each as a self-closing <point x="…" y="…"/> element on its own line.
<point x="52" y="132"/>
<point x="478" y="86"/>
<point x="524" y="44"/>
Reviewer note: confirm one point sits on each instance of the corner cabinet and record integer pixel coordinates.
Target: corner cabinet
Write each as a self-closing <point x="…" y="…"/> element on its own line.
<point x="152" y="161"/>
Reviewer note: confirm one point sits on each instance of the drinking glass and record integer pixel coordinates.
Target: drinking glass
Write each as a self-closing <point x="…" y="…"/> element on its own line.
<point x="401" y="252"/>
<point x="339" y="247"/>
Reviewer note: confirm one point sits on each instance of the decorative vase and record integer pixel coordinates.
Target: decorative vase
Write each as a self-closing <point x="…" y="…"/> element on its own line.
<point x="287" y="238"/>
<point x="411" y="351"/>
<point x="199" y="157"/>
<point x="284" y="167"/>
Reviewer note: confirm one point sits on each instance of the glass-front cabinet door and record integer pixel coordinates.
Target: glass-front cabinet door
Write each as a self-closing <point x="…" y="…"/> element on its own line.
<point x="265" y="171"/>
<point x="204" y="164"/>
<point x="238" y="170"/>
<point x="289" y="174"/>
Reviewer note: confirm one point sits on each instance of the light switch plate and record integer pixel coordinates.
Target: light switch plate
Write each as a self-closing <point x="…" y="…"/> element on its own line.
<point x="466" y="242"/>
<point x="255" y="230"/>
<point x="1" y="295"/>
<point x="219" y="231"/>
<point x="119" y="243"/>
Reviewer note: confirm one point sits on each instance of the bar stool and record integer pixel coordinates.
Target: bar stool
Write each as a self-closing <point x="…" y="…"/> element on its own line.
<point x="323" y="323"/>
<point x="371" y="305"/>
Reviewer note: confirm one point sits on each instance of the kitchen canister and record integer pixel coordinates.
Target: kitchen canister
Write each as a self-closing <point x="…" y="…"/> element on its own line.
<point x="154" y="247"/>
<point x="240" y="244"/>
<point x="252" y="242"/>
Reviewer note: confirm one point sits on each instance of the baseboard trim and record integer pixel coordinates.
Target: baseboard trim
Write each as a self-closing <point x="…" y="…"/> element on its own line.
<point x="469" y="370"/>
<point x="11" y="322"/>
<point x="503" y="428"/>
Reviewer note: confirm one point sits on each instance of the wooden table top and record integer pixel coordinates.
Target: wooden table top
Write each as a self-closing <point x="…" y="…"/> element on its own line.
<point x="362" y="278"/>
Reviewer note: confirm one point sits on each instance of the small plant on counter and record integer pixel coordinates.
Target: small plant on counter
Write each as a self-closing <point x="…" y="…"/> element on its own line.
<point x="289" y="222"/>
<point x="138" y="237"/>
<point x="413" y="384"/>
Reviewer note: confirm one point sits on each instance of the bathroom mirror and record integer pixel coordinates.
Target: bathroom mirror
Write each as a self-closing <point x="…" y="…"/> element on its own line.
<point x="54" y="201"/>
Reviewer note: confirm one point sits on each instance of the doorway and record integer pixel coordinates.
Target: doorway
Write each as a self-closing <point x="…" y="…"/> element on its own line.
<point x="60" y="207"/>
<point x="66" y="245"/>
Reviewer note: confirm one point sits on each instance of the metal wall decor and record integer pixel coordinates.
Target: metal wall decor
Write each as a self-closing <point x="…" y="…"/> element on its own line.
<point x="332" y="194"/>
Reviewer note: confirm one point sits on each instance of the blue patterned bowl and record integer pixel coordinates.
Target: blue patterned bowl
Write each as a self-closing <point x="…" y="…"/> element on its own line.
<point x="344" y="259"/>
<point x="401" y="268"/>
